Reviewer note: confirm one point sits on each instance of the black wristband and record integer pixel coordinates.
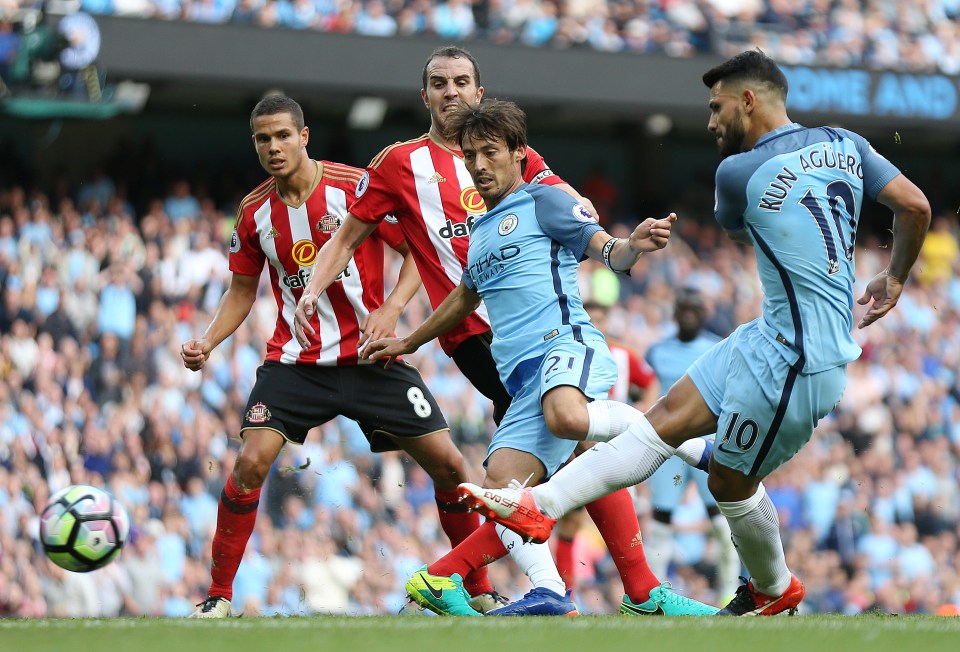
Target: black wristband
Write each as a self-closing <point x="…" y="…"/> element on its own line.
<point x="605" y="254"/>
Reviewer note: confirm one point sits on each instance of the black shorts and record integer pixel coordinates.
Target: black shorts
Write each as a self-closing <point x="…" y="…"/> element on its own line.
<point x="388" y="404"/>
<point x="475" y="361"/>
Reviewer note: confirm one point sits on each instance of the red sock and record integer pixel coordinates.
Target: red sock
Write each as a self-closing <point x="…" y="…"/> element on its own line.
<point x="476" y="551"/>
<point x="563" y="553"/>
<point x="459" y="524"/>
<point x="616" y="519"/>
<point x="236" y="516"/>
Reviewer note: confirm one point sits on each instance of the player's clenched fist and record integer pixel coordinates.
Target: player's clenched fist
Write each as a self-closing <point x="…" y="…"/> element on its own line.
<point x="306" y="309"/>
<point x="652" y="234"/>
<point x="194" y="353"/>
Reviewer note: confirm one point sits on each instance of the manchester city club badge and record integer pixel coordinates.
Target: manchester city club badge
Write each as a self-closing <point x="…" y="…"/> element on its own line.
<point x="508" y="224"/>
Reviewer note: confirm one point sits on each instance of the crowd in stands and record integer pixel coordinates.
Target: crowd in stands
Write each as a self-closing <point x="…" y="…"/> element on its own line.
<point x="97" y="296"/>
<point x="919" y="36"/>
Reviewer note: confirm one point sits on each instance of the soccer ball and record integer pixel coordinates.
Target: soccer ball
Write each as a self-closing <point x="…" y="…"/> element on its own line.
<point x="83" y="528"/>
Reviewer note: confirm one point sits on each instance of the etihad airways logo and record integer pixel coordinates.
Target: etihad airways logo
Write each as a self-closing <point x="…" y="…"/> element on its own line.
<point x="491" y="264"/>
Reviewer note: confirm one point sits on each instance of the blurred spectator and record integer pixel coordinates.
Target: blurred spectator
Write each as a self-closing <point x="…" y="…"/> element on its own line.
<point x="180" y="204"/>
<point x="940" y="250"/>
<point x="9" y="46"/>
<point x="840" y="33"/>
<point x="375" y="21"/>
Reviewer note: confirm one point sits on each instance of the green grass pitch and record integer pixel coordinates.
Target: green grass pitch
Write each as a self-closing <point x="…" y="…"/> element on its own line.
<point x="423" y="634"/>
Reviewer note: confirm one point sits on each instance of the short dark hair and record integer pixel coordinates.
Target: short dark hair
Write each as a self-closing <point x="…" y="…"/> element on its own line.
<point x="452" y="52"/>
<point x="274" y="104"/>
<point x="490" y="120"/>
<point x="691" y="296"/>
<point x="750" y="65"/>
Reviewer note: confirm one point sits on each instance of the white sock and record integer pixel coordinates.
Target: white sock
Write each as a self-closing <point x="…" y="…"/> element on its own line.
<point x="728" y="561"/>
<point x="622" y="462"/>
<point x="755" y="529"/>
<point x="609" y="419"/>
<point x="534" y="559"/>
<point x="691" y="451"/>
<point x="658" y="546"/>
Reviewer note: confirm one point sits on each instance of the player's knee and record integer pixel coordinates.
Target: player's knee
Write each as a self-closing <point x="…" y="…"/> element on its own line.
<point x="729" y="486"/>
<point x="446" y="473"/>
<point x="445" y="466"/>
<point x="250" y="471"/>
<point x="567" y="423"/>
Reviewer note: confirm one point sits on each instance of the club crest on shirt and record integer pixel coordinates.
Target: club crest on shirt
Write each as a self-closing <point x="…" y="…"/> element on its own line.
<point x="328" y="223"/>
<point x="258" y="413"/>
<point x="581" y="214"/>
<point x="508" y="224"/>
<point x="362" y="185"/>
<point x="234" y="242"/>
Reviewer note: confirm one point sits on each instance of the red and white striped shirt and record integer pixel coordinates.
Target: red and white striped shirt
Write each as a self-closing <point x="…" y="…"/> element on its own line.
<point x="426" y="186"/>
<point x="289" y="237"/>
<point x="632" y="370"/>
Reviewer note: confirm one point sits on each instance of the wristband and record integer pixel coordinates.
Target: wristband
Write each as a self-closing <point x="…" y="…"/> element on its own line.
<point x="605" y="254"/>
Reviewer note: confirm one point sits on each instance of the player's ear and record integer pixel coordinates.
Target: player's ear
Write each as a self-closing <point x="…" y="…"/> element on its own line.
<point x="304" y="136"/>
<point x="423" y="96"/>
<point x="479" y="94"/>
<point x="748" y="100"/>
<point x="520" y="153"/>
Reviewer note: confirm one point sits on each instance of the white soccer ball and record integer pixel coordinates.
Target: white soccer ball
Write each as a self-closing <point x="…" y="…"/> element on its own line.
<point x="83" y="528"/>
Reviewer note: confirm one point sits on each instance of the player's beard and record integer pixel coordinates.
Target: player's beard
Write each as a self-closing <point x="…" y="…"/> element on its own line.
<point x="732" y="140"/>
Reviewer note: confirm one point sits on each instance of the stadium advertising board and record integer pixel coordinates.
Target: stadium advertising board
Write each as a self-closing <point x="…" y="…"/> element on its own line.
<point x="235" y="59"/>
<point x="858" y="92"/>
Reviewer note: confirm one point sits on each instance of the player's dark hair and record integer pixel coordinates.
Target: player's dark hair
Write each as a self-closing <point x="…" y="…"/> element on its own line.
<point x="751" y="65"/>
<point x="274" y="104"/>
<point x="490" y="120"/>
<point x="452" y="52"/>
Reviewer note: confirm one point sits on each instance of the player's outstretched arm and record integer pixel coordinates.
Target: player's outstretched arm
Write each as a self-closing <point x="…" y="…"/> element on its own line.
<point x="332" y="258"/>
<point x="382" y="322"/>
<point x="453" y="310"/>
<point x="235" y="305"/>
<point x="911" y="219"/>
<point x="620" y="254"/>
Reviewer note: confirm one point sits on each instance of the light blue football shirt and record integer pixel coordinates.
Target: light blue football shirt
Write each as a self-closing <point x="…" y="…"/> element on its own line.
<point x="523" y="259"/>
<point x="670" y="358"/>
<point x="798" y="195"/>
